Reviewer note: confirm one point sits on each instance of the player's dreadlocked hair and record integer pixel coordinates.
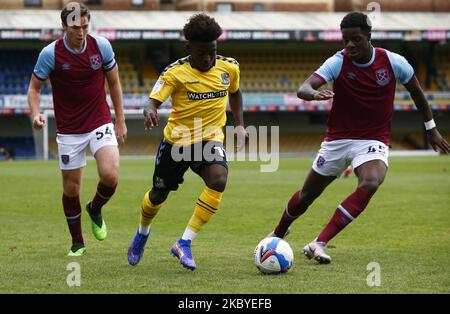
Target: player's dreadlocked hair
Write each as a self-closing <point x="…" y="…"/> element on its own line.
<point x="357" y="19"/>
<point x="202" y="28"/>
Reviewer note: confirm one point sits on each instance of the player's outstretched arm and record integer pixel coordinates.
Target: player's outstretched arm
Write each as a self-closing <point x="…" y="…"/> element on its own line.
<point x="436" y="139"/>
<point x="151" y="119"/>
<point x="236" y="106"/>
<point x="309" y="90"/>
<point x="34" y="99"/>
<point x="115" y="89"/>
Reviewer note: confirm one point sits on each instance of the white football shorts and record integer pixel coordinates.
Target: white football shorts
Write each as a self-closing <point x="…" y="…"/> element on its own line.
<point x="72" y="147"/>
<point x="335" y="156"/>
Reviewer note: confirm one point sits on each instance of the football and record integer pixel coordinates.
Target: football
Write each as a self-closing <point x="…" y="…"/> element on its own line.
<point x="273" y="256"/>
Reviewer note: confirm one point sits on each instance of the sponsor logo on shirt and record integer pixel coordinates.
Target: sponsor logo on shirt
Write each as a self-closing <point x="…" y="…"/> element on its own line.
<point x="66" y="66"/>
<point x="207" y="95"/>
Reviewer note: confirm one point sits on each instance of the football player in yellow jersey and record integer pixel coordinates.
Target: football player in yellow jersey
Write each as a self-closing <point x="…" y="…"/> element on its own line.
<point x="199" y="85"/>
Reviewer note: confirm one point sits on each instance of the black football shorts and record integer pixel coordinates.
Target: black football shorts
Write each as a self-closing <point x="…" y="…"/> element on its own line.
<point x="172" y="161"/>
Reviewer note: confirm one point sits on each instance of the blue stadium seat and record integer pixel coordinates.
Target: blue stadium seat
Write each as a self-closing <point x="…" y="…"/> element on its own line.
<point x="16" y="68"/>
<point x="21" y="147"/>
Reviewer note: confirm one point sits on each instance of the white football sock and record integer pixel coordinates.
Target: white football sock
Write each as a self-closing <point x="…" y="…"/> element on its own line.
<point x="144" y="230"/>
<point x="188" y="234"/>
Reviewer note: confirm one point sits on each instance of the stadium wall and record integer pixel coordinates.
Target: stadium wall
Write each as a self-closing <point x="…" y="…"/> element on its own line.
<point x="93" y="5"/>
<point x="394" y="5"/>
<point x="245" y="5"/>
<point x="295" y="127"/>
<point x="300" y="132"/>
<point x="254" y="5"/>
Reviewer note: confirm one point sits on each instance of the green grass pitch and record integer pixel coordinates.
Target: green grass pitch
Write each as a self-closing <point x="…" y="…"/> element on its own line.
<point x="406" y="229"/>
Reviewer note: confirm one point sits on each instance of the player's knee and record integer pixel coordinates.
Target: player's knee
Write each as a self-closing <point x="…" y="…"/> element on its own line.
<point x="72" y="188"/>
<point x="109" y="172"/>
<point x="370" y="185"/>
<point x="218" y="182"/>
<point x="157" y="196"/>
<point x="110" y="179"/>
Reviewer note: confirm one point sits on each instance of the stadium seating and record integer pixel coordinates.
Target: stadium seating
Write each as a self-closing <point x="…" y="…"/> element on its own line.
<point x="443" y="69"/>
<point x="279" y="72"/>
<point x="275" y="72"/>
<point x="20" y="147"/>
<point x="17" y="67"/>
<point x="135" y="79"/>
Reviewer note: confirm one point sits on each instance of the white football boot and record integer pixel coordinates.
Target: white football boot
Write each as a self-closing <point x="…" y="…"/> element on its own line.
<point x="316" y="250"/>
<point x="272" y="234"/>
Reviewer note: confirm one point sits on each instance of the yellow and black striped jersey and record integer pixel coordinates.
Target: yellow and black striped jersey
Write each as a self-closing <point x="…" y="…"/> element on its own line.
<point x="199" y="99"/>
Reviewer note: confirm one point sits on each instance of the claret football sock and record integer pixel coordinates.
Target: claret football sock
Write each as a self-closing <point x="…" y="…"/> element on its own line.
<point x="346" y="212"/>
<point x="101" y="197"/>
<point x="72" y="211"/>
<point x="291" y="213"/>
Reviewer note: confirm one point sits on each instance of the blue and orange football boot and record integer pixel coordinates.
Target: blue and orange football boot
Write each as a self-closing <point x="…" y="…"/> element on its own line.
<point x="182" y="250"/>
<point x="136" y="248"/>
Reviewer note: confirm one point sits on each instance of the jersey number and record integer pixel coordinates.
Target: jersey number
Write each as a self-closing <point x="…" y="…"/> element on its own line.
<point x="374" y="149"/>
<point x="220" y="150"/>
<point x="101" y="134"/>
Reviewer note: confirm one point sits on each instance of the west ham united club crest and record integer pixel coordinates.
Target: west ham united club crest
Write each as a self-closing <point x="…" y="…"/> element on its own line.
<point x="96" y="61"/>
<point x="382" y="77"/>
<point x="225" y="78"/>
<point x="320" y="161"/>
<point x="65" y="159"/>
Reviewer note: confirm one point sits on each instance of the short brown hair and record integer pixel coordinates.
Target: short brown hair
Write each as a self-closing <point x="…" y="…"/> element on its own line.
<point x="70" y="7"/>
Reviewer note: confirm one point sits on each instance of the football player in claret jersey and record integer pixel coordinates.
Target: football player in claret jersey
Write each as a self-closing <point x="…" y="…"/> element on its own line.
<point x="199" y="85"/>
<point x="358" y="127"/>
<point x="77" y="65"/>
